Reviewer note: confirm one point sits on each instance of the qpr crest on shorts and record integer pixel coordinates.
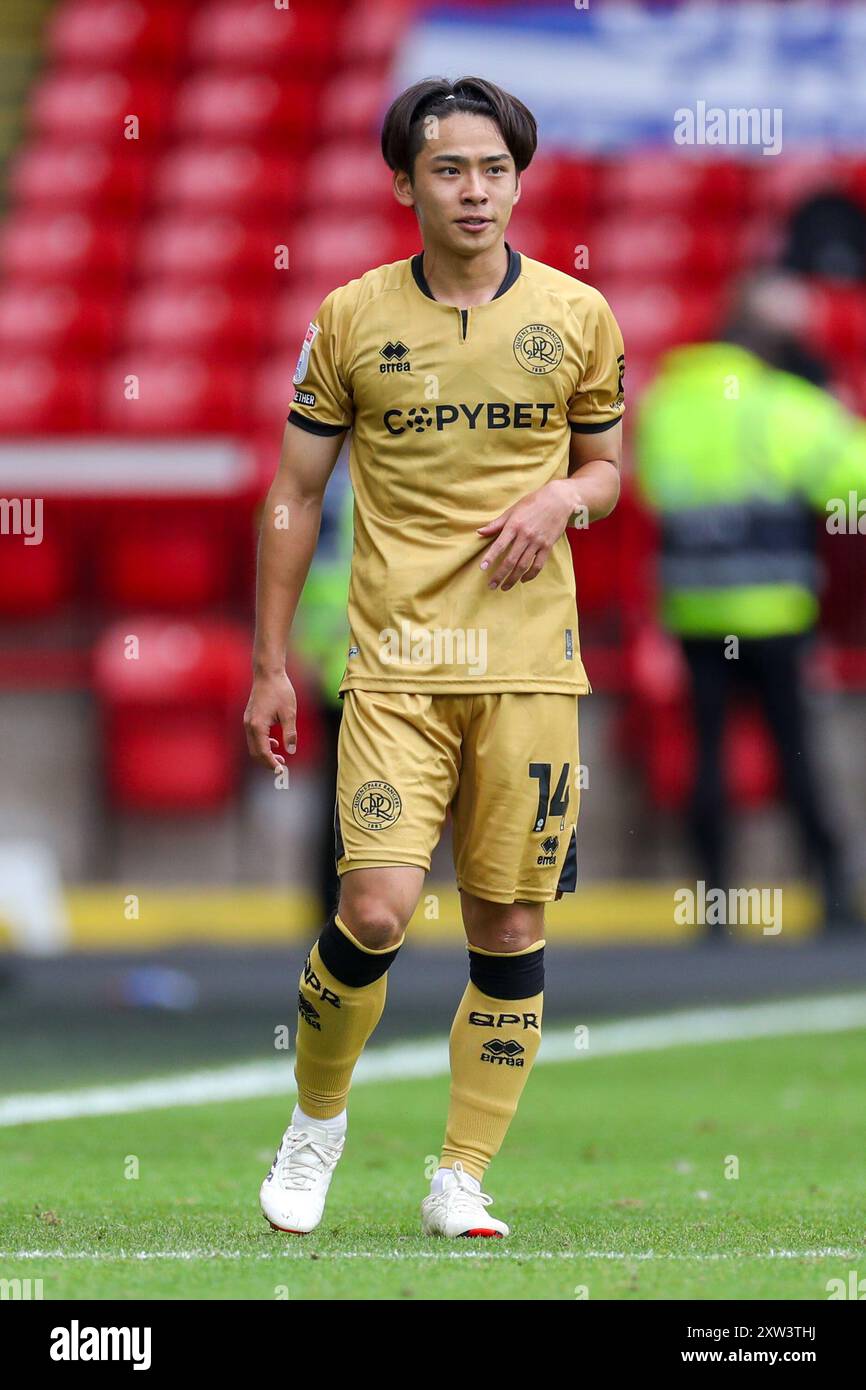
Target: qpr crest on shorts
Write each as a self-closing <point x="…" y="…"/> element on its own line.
<point x="376" y="805"/>
<point x="304" y="359"/>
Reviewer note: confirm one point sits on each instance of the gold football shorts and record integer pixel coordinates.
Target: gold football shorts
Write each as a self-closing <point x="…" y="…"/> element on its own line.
<point x="507" y="766"/>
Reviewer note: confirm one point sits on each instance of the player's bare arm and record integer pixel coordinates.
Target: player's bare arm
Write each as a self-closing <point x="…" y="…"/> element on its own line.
<point x="528" y="530"/>
<point x="290" y="525"/>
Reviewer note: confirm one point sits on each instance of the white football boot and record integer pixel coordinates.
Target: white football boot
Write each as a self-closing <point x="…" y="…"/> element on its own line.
<point x="293" y="1194"/>
<point x="458" y="1210"/>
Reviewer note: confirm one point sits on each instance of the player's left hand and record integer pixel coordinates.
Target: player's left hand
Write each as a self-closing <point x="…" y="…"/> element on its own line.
<point x="527" y="533"/>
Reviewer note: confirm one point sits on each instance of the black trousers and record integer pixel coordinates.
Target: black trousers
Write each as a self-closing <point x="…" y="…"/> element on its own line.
<point x="770" y="668"/>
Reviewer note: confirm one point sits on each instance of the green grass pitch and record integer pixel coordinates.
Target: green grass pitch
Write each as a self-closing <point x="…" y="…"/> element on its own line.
<point x="612" y="1178"/>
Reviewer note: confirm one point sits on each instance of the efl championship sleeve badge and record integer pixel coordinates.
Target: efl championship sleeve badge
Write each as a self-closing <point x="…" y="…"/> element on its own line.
<point x="304" y="359"/>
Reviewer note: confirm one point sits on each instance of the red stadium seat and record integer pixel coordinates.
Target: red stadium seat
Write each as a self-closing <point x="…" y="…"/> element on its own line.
<point x="660" y="316"/>
<point x="116" y="33"/>
<point x="837" y="320"/>
<point x="170" y="712"/>
<point x="35" y="580"/>
<point x="49" y="174"/>
<point x="45" y="319"/>
<point x="169" y="762"/>
<point x="76" y="106"/>
<point x="257" y="105"/>
<point x="798" y="175"/>
<point x="682" y="185"/>
<point x="212" y="246"/>
<point x="564" y="184"/>
<point x="166" y="563"/>
<point x="611" y="560"/>
<point x="194" y="319"/>
<point x="43" y="395"/>
<point x="70" y="245"/>
<point x="226" y="178"/>
<point x="176" y="395"/>
<point x="352" y="105"/>
<point x="257" y="34"/>
<point x="342" y="250"/>
<point x="611" y="567"/>
<point x="678" y="248"/>
<point x="373" y="32"/>
<point x="355" y="174"/>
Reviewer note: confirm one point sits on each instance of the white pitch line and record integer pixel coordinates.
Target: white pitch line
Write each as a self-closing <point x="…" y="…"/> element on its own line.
<point x="302" y="1255"/>
<point x="429" y="1058"/>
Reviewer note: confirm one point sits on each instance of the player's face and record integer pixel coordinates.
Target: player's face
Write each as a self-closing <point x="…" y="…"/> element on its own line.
<point x="465" y="184"/>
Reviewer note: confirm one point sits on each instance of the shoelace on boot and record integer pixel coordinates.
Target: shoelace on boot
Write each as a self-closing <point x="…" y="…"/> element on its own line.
<point x="462" y="1200"/>
<point x="462" y="1195"/>
<point x="291" y="1173"/>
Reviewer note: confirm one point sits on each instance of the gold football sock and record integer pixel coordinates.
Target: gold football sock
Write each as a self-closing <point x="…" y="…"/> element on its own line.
<point x="494" y="1041"/>
<point x="340" y="1000"/>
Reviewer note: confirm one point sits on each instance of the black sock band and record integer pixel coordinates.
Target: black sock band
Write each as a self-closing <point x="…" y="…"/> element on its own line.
<point x="515" y="976"/>
<point x="347" y="962"/>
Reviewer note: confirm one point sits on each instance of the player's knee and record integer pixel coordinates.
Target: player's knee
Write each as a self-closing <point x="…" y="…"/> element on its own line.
<point x="377" y="903"/>
<point x="502" y="926"/>
<point x="351" y="959"/>
<point x="374" y="922"/>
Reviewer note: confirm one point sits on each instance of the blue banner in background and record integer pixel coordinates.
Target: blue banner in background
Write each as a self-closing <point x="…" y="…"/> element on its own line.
<point x="613" y="75"/>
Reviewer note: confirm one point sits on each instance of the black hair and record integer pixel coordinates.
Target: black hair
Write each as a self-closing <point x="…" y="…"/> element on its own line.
<point x="403" y="129"/>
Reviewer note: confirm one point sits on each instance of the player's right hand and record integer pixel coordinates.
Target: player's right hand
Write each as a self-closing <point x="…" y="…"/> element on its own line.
<point x="272" y="701"/>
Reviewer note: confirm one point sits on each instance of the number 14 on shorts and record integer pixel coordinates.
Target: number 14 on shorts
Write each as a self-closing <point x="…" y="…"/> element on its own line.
<point x="557" y="805"/>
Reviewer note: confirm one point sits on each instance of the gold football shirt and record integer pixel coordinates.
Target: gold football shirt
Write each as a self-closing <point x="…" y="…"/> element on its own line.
<point x="456" y="414"/>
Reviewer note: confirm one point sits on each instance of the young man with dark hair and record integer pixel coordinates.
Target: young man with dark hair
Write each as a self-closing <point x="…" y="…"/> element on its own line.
<point x="484" y="393"/>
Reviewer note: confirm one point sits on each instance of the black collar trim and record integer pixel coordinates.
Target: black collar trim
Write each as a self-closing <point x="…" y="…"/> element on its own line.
<point x="511" y="273"/>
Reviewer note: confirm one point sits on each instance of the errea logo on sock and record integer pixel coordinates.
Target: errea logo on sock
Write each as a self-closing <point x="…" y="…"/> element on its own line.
<point x="507" y="1053"/>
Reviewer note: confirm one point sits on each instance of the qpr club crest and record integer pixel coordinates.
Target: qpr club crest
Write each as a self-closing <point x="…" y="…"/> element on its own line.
<point x="538" y="348"/>
<point x="376" y="805"/>
<point x="304" y="359"/>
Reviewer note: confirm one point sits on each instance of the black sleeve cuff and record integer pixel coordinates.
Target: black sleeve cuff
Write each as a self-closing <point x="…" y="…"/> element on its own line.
<point x="314" y="426"/>
<point x="594" y="429"/>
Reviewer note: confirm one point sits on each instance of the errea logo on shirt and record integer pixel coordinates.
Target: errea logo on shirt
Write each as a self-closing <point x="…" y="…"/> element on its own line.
<point x="396" y="357"/>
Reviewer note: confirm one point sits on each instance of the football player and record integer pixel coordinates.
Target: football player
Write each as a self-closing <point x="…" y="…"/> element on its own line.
<point x="484" y="393"/>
